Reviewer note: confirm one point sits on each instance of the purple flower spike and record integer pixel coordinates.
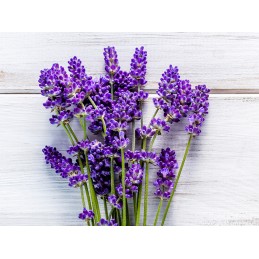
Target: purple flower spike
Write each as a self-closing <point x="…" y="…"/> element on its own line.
<point x="121" y="142"/>
<point x="145" y="132"/>
<point x="149" y="157"/>
<point x="138" y="66"/>
<point x="133" y="179"/>
<point x="134" y="175"/>
<point x="86" y="215"/>
<point x="111" y="61"/>
<point x="141" y="96"/>
<point x="199" y="108"/>
<point x="73" y="150"/>
<point x="63" y="117"/>
<point x="52" y="81"/>
<point x="117" y="126"/>
<point x="165" y="176"/>
<point x="159" y="125"/>
<point x="76" y="69"/>
<point x="62" y="165"/>
<point x="77" y="180"/>
<point x="104" y="222"/>
<point x="115" y="201"/>
<point x="175" y="95"/>
<point x="133" y="156"/>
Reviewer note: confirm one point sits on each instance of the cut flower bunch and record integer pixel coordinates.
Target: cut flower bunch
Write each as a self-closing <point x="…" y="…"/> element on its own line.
<point x="113" y="173"/>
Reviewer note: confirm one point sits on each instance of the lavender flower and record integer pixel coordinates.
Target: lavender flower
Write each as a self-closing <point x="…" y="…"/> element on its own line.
<point x="77" y="180"/>
<point x="134" y="175"/>
<point x="175" y="95"/>
<point x="141" y="96"/>
<point x="107" y="105"/>
<point x="159" y="125"/>
<point x="115" y="201"/>
<point x="104" y="222"/>
<point x="145" y="132"/>
<point x="111" y="61"/>
<point x="138" y="67"/>
<point x="117" y="126"/>
<point x="165" y="176"/>
<point x="62" y="165"/>
<point x="52" y="81"/>
<point x="121" y="142"/>
<point x="149" y="157"/>
<point x="133" y="179"/>
<point x="199" y="108"/>
<point x="133" y="157"/>
<point x="100" y="167"/>
<point x="63" y="117"/>
<point x="123" y="81"/>
<point x="86" y="215"/>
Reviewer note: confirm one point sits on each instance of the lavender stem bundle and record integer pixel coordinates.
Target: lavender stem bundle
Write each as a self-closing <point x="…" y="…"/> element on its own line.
<point x="113" y="172"/>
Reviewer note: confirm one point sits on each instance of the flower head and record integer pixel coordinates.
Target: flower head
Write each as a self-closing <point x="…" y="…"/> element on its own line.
<point x="199" y="109"/>
<point x="159" y="125"/>
<point x="62" y="165"/>
<point x="121" y="142"/>
<point x="111" y="61"/>
<point x="115" y="201"/>
<point x="165" y="176"/>
<point x="104" y="222"/>
<point x="145" y="132"/>
<point x="86" y="215"/>
<point x="138" y="66"/>
<point x="63" y="117"/>
<point x="77" y="180"/>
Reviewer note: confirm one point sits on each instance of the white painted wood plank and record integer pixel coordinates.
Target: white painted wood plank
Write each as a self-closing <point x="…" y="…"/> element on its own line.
<point x="219" y="184"/>
<point x="220" y="60"/>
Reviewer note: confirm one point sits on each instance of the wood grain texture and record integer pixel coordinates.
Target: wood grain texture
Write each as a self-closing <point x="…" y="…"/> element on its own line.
<point x="219" y="184"/>
<point x="220" y="60"/>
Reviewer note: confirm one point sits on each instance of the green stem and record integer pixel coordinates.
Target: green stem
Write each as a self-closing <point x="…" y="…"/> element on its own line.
<point x="152" y="141"/>
<point x="81" y="166"/>
<point x="68" y="134"/>
<point x="92" y="191"/>
<point x="83" y="201"/>
<point x="133" y="136"/>
<point x="82" y="196"/>
<point x="139" y="204"/>
<point x="72" y="132"/>
<point x="140" y="107"/>
<point x="92" y="102"/>
<point x="84" y="128"/>
<point x="104" y="127"/>
<point x="146" y="195"/>
<point x="144" y="144"/>
<point x="135" y="204"/>
<point x="110" y="214"/>
<point x="158" y="211"/>
<point x="119" y="216"/>
<point x="105" y="207"/>
<point x="177" y="179"/>
<point x="124" y="212"/>
<point x="88" y="196"/>
<point x="112" y="177"/>
<point x="128" y="215"/>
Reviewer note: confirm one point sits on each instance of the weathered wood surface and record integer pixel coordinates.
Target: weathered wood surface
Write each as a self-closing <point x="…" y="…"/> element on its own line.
<point x="219" y="184"/>
<point x="221" y="60"/>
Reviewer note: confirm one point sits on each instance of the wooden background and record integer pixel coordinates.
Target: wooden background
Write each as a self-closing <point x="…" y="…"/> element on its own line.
<point x="220" y="182"/>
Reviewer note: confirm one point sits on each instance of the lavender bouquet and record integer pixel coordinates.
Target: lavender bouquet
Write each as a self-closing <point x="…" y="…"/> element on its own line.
<point x="111" y="171"/>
